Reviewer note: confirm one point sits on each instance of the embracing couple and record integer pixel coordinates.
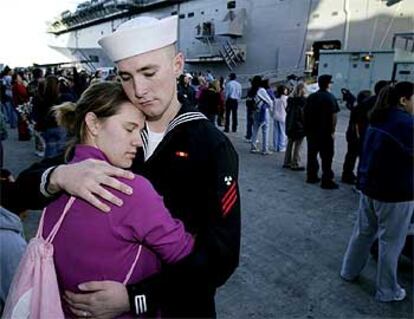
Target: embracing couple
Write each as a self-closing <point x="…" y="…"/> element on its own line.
<point x="154" y="223"/>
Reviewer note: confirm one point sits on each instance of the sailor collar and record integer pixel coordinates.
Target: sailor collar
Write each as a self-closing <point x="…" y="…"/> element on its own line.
<point x="184" y="115"/>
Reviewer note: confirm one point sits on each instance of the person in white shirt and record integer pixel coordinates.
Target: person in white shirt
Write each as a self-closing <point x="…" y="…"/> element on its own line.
<point x="233" y="93"/>
<point x="263" y="102"/>
<point x="279" y="120"/>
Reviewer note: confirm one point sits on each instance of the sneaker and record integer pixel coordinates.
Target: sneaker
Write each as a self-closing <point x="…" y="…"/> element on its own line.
<point x="267" y="153"/>
<point x="286" y="166"/>
<point x="298" y="168"/>
<point x="348" y="279"/>
<point x="247" y="140"/>
<point x="329" y="185"/>
<point x="40" y="153"/>
<point x="313" y="180"/>
<point x="254" y="149"/>
<point x="401" y="294"/>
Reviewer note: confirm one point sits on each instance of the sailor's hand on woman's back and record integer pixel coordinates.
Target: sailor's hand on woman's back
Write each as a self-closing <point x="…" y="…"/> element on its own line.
<point x="100" y="299"/>
<point x="86" y="179"/>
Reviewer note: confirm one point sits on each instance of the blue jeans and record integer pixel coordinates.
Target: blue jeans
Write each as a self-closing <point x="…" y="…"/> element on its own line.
<point x="10" y="113"/>
<point x="55" y="140"/>
<point x="279" y="136"/>
<point x="258" y="124"/>
<point x="388" y="221"/>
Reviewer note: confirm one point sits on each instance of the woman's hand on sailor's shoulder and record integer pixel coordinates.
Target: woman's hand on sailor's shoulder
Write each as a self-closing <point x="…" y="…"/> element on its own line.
<point x="86" y="179"/>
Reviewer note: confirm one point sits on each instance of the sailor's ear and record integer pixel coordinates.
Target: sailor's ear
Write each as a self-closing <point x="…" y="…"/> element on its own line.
<point x="178" y="64"/>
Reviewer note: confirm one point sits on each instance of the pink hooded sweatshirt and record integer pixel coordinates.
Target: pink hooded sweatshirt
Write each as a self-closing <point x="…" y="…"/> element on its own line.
<point x="91" y="245"/>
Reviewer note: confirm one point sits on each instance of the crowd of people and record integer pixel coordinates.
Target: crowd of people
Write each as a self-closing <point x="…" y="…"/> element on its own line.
<point x="132" y="145"/>
<point x="27" y="98"/>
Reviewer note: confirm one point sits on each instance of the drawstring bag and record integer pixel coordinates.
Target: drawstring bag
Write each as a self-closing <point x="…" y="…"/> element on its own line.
<point x="34" y="292"/>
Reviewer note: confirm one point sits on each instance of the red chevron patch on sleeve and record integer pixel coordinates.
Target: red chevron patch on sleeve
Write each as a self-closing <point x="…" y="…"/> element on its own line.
<point x="229" y="199"/>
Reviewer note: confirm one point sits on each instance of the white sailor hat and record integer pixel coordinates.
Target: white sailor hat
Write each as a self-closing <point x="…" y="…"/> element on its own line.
<point x="139" y="35"/>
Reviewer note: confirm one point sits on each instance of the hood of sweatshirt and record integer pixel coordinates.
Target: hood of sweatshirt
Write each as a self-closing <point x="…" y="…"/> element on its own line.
<point x="10" y="221"/>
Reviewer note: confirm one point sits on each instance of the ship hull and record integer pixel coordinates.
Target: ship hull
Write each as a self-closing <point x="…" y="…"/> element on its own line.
<point x="266" y="37"/>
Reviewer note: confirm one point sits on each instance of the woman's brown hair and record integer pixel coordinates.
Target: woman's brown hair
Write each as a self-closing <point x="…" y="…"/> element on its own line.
<point x="300" y="90"/>
<point x="51" y="91"/>
<point x="103" y="99"/>
<point x="388" y="98"/>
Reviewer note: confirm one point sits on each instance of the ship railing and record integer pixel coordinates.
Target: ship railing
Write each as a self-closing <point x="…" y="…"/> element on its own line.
<point x="130" y="4"/>
<point x="89" y="12"/>
<point x="148" y="2"/>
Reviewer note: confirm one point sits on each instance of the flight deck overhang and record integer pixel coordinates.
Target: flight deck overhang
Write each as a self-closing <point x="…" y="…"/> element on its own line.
<point x="93" y="17"/>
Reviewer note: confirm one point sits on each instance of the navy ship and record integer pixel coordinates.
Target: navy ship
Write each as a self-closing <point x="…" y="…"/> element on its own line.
<point x="273" y="38"/>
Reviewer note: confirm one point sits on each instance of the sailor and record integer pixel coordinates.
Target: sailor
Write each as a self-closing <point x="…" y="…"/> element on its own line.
<point x="186" y="93"/>
<point x="190" y="163"/>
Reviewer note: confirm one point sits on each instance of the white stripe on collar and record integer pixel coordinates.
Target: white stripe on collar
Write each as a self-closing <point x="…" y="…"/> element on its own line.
<point x="183" y="118"/>
<point x="144" y="137"/>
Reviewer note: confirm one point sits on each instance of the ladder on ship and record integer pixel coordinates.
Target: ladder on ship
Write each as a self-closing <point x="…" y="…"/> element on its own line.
<point x="231" y="55"/>
<point x="87" y="61"/>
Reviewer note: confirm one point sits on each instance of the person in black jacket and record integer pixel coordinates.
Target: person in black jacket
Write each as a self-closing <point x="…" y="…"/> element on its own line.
<point x="365" y="108"/>
<point x="189" y="162"/>
<point x="209" y="101"/>
<point x="250" y="108"/>
<point x="348" y="98"/>
<point x="320" y="124"/>
<point x="353" y="140"/>
<point x="295" y="128"/>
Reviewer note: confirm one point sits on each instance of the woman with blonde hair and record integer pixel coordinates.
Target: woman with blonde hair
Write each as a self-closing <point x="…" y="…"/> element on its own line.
<point x="295" y="129"/>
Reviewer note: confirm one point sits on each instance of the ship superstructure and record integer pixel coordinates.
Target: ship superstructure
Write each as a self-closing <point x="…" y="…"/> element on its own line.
<point x="269" y="37"/>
